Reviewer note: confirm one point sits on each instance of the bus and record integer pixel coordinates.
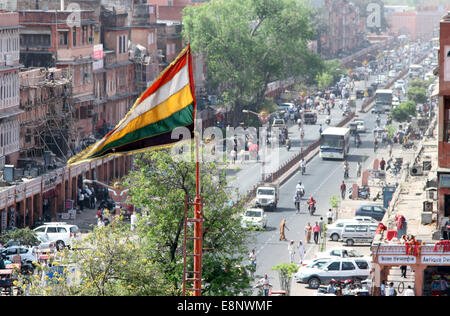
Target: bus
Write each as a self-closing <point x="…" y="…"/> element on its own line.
<point x="415" y="71"/>
<point x="335" y="143"/>
<point x="383" y="100"/>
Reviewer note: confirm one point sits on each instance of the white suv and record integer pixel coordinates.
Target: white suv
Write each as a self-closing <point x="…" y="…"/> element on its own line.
<point x="338" y="269"/>
<point x="61" y="233"/>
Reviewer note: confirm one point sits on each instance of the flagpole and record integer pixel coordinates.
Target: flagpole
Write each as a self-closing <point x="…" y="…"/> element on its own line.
<point x="198" y="203"/>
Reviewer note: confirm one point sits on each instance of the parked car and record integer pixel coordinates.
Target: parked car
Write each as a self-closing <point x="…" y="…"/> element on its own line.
<point x="353" y="233"/>
<point x="334" y="230"/>
<point x="46" y="246"/>
<point x="341" y="252"/>
<point x="338" y="269"/>
<point x="375" y="211"/>
<point x="61" y="233"/>
<point x="27" y="254"/>
<point x="254" y="217"/>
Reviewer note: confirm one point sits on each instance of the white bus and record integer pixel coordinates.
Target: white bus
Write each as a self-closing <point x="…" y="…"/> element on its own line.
<point x="335" y="143"/>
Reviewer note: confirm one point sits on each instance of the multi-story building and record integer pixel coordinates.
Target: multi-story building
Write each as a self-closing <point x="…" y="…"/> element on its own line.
<point x="120" y="91"/>
<point x="9" y="88"/>
<point x="344" y="29"/>
<point x="444" y="121"/>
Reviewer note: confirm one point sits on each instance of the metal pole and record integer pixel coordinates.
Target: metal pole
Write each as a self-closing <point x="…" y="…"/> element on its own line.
<point x="198" y="227"/>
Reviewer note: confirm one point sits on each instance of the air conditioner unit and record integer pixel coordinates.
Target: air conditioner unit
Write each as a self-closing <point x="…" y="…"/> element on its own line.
<point x="416" y="170"/>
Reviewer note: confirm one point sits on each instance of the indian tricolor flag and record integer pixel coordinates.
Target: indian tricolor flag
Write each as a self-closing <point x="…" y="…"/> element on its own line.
<point x="167" y="104"/>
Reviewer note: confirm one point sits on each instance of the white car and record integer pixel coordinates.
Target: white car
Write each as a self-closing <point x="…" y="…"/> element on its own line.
<point x="26" y="253"/>
<point x="341" y="252"/>
<point x="360" y="126"/>
<point x="314" y="263"/>
<point x="46" y="246"/>
<point x="395" y="101"/>
<point x="334" y="230"/>
<point x="61" y="233"/>
<point x="338" y="269"/>
<point x="254" y="217"/>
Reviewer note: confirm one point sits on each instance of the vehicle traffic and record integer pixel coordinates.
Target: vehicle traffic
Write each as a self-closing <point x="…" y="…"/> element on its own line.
<point x="335" y="143"/>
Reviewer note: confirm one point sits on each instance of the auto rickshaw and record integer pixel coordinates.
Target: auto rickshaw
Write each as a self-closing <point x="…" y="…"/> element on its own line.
<point x="359" y="94"/>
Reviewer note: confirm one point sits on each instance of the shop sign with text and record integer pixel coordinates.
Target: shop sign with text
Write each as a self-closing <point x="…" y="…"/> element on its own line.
<point x="396" y="259"/>
<point x="431" y="260"/>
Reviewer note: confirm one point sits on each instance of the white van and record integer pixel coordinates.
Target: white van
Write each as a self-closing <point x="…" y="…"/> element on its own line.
<point x="353" y="233"/>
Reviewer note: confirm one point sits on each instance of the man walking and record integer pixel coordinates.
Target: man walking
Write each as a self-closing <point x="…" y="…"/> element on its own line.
<point x="291" y="251"/>
<point x="382" y="164"/>
<point x="343" y="190"/>
<point x="265" y="285"/>
<point x="316" y="231"/>
<point x="330" y="216"/>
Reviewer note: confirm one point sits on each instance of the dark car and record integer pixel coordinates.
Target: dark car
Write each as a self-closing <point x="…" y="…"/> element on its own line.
<point x="375" y="211"/>
<point x="310" y="118"/>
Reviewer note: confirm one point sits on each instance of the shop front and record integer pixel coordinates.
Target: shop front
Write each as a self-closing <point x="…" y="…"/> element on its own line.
<point x="430" y="263"/>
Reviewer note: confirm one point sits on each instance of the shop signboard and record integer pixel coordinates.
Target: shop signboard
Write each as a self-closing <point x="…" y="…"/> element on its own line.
<point x="436" y="260"/>
<point x="98" y="57"/>
<point x="385" y="259"/>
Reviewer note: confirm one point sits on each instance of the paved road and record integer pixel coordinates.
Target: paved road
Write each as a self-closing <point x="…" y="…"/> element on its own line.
<point x="245" y="175"/>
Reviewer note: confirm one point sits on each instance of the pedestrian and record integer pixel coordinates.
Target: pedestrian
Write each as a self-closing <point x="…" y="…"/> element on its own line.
<point x="81" y="201"/>
<point x="301" y="251"/>
<point x="403" y="270"/>
<point x="291" y="251"/>
<point x="252" y="258"/>
<point x="382" y="164"/>
<point x="343" y="190"/>
<point x="383" y="288"/>
<point x="444" y="286"/>
<point x="390" y="149"/>
<point x="409" y="291"/>
<point x="358" y="169"/>
<point x="264" y="282"/>
<point x="321" y="226"/>
<point x="308" y="230"/>
<point x="330" y="216"/>
<point x="99" y="213"/>
<point x="282" y="227"/>
<point x="320" y="129"/>
<point x="316" y="231"/>
<point x="391" y="290"/>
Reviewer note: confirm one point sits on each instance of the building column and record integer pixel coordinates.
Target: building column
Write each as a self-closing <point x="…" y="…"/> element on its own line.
<point x="418" y="279"/>
<point x="32" y="210"/>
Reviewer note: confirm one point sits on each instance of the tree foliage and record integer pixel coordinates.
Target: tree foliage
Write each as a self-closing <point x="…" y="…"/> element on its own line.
<point x="24" y="236"/>
<point x="404" y="111"/>
<point x="159" y="185"/>
<point x="417" y="94"/>
<point x="249" y="43"/>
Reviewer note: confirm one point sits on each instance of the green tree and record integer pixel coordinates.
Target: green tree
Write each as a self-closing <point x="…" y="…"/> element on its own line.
<point x="335" y="68"/>
<point x="417" y="94"/>
<point x="324" y="80"/>
<point x="109" y="261"/>
<point x="404" y="111"/>
<point x="249" y="43"/>
<point x="159" y="185"/>
<point x="24" y="236"/>
<point x="285" y="271"/>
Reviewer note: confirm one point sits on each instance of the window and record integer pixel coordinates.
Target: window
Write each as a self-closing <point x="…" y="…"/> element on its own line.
<point x="350" y="228"/>
<point x="361" y="228"/>
<point x="40" y="230"/>
<point x="336" y="253"/>
<point x="63" y="38"/>
<point x="363" y="265"/>
<point x="378" y="209"/>
<point x="62" y="230"/>
<point x="74" y="230"/>
<point x="347" y="266"/>
<point x="51" y="230"/>
<point x="334" y="266"/>
<point x="74" y="37"/>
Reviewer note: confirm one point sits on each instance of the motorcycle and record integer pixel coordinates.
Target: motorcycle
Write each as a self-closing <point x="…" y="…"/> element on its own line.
<point x="363" y="193"/>
<point x="300" y="192"/>
<point x="311" y="208"/>
<point x="328" y="121"/>
<point x="303" y="170"/>
<point x="346" y="174"/>
<point x="297" y="206"/>
<point x="288" y="145"/>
